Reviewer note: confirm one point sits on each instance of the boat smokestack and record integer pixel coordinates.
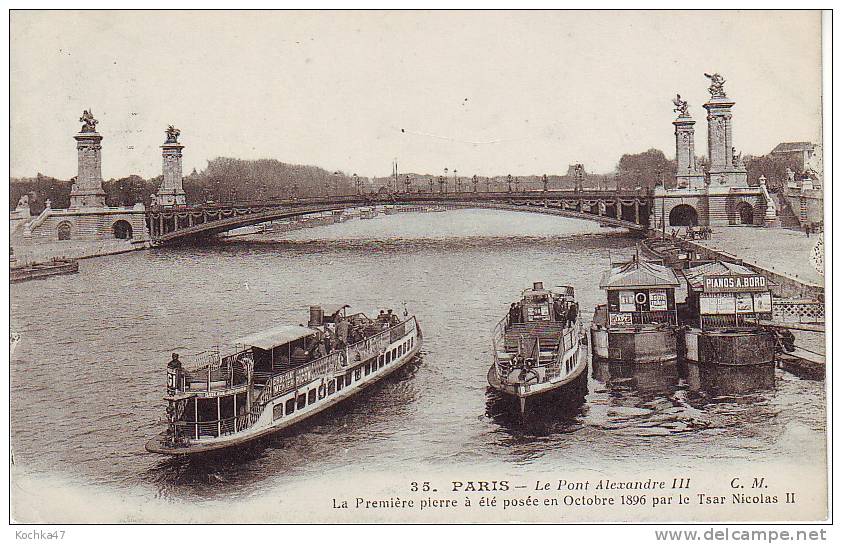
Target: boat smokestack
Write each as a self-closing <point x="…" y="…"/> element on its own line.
<point x="538" y="286"/>
<point x="317" y="316"/>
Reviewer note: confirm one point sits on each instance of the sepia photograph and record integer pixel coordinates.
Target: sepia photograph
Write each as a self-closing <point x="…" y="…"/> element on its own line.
<point x="418" y="267"/>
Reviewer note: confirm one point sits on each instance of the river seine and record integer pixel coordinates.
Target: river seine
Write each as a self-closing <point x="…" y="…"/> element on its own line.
<point x="88" y="376"/>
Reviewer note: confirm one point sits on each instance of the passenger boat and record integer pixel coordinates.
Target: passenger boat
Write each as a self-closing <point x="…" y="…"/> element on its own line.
<point x="279" y="377"/>
<point x="32" y="271"/>
<point x="540" y="346"/>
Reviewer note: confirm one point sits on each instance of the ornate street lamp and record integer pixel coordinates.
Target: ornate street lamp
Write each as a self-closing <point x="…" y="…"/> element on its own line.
<point x="487" y="185"/>
<point x="509" y="179"/>
<point x="457" y="183"/>
<point x="474" y="180"/>
<point x="432" y="185"/>
<point x="442" y="184"/>
<point x="357" y="185"/>
<point x="545" y="180"/>
<point x="517" y="184"/>
<point x="408" y="184"/>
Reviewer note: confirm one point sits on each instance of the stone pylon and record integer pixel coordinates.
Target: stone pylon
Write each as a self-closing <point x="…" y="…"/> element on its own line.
<point x="687" y="172"/>
<point x="87" y="192"/>
<point x="171" y="191"/>
<point x="726" y="168"/>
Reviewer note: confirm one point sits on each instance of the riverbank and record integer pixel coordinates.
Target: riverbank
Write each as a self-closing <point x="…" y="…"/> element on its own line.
<point x="75" y="249"/>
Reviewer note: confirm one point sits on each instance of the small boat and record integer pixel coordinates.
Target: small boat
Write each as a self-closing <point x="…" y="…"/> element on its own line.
<point x="14" y="340"/>
<point x="279" y="377"/>
<point x="540" y="346"/>
<point x="32" y="271"/>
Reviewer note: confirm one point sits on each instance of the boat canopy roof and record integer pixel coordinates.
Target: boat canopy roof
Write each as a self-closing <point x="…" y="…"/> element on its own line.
<point x="640" y="274"/>
<point x="331" y="309"/>
<point x="696" y="275"/>
<point x="276" y="336"/>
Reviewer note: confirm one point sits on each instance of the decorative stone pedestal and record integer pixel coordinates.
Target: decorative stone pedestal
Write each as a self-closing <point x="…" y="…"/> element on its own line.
<point x="87" y="192"/>
<point x="171" y="191"/>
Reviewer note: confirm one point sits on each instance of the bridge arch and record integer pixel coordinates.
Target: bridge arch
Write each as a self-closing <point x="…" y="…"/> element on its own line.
<point x="745" y="212"/>
<point x="64" y="230"/>
<point x="684" y="215"/>
<point x="122" y="229"/>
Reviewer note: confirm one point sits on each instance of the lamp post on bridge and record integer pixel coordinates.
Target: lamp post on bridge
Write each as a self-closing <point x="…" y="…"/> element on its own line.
<point x="357" y="185"/>
<point x="545" y="179"/>
<point x="442" y="184"/>
<point x="488" y="185"/>
<point x="457" y="183"/>
<point x="475" y="180"/>
<point x="408" y="184"/>
<point x="509" y="179"/>
<point x="517" y="184"/>
<point x="432" y="185"/>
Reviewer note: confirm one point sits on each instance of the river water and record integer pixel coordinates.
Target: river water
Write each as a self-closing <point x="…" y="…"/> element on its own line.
<point x="88" y="377"/>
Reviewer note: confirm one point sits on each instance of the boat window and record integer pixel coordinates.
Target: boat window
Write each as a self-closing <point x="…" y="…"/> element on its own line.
<point x="302" y="401"/>
<point x="358" y="374"/>
<point x="381" y="359"/>
<point x="382" y="362"/>
<point x="311" y="396"/>
<point x="340" y="382"/>
<point x="348" y="379"/>
<point x="290" y="405"/>
<point x="394" y="352"/>
<point x="331" y="387"/>
<point x="367" y="369"/>
<point x="388" y="357"/>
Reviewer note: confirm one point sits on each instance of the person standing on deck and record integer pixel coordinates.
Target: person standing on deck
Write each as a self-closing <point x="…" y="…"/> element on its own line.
<point x="572" y="312"/>
<point x="299" y="356"/>
<point x="342" y="332"/>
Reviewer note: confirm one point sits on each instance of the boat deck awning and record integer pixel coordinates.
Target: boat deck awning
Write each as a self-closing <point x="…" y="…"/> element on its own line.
<point x="639" y="274"/>
<point x="276" y="336"/>
<point x="331" y="309"/>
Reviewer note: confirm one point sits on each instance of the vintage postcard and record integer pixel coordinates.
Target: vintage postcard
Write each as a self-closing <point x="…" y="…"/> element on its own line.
<point x="417" y="267"/>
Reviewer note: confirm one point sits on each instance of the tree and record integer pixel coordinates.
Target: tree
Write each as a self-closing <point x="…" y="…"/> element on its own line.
<point x="645" y="169"/>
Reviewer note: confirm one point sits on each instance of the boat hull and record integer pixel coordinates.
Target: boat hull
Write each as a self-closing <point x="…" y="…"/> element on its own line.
<point x="270" y="423"/>
<point x="730" y="348"/>
<point x="525" y="390"/>
<point x="635" y="345"/>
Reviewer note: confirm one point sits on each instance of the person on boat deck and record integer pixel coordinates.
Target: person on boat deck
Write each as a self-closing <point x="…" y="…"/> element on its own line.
<point x="175" y="363"/>
<point x="393" y="319"/>
<point x="342" y="332"/>
<point x="282" y="362"/>
<point x="513" y="317"/>
<point x="299" y="356"/>
<point x="318" y="352"/>
<point x="572" y="312"/>
<point x="382" y="318"/>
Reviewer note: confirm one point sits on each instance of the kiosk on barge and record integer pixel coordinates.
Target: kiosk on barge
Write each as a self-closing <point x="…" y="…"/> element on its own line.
<point x="638" y="325"/>
<point x="279" y="377"/>
<point x="726" y="303"/>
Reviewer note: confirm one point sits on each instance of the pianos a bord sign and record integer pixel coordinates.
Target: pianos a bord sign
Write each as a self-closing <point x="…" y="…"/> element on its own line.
<point x="735" y="283"/>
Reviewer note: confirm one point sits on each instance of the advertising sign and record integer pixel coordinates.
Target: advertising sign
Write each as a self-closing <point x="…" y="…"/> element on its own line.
<point x="657" y="300"/>
<point x="731" y="284"/>
<point x="744" y="303"/>
<point x="627" y="301"/>
<point x="763" y="302"/>
<point x="619" y="319"/>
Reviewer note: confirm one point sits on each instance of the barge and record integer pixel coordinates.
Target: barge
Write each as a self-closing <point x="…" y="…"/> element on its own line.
<point x="279" y="377"/>
<point x="33" y="271"/>
<point x="726" y="305"/>
<point x="539" y="347"/>
<point x="639" y="322"/>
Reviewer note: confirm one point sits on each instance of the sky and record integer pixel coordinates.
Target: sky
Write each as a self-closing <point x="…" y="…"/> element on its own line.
<point x="481" y="92"/>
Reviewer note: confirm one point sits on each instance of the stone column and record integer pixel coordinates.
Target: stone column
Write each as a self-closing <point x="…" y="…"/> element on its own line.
<point x="87" y="192"/>
<point x="725" y="168"/>
<point x="687" y="173"/>
<point x="171" y="191"/>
